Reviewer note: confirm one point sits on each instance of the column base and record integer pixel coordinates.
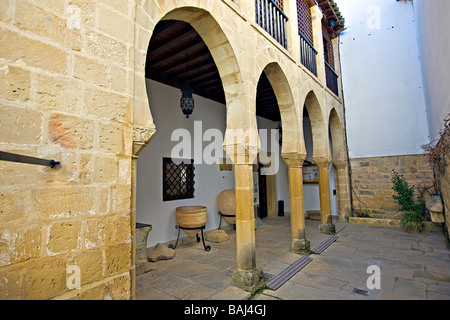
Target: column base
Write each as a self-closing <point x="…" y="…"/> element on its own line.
<point x="327" y="229"/>
<point x="301" y="246"/>
<point x="251" y="281"/>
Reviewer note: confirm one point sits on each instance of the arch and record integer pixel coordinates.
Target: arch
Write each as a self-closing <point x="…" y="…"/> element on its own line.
<point x="223" y="55"/>
<point x="337" y="136"/>
<point x="318" y="127"/>
<point x="292" y="142"/>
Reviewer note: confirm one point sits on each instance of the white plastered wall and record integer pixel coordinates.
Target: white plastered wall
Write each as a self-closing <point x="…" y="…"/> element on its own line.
<point x="382" y="80"/>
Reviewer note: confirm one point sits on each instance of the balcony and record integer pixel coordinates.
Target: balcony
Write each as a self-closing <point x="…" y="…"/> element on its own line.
<point x="332" y="79"/>
<point x="272" y="19"/>
<point x="308" y="54"/>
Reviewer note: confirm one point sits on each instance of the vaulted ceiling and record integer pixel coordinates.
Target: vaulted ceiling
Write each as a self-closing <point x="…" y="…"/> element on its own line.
<point x="177" y="56"/>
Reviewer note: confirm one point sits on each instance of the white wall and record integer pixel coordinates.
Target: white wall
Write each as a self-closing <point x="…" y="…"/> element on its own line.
<point x="209" y="181"/>
<point x="433" y="26"/>
<point x="382" y="80"/>
<point x="311" y="192"/>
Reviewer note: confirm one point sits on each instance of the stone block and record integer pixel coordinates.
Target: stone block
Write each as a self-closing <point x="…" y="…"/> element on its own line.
<point x="14" y="83"/>
<point x="90" y="263"/>
<point x="71" y="132"/>
<point x="57" y="93"/>
<point x="86" y="9"/>
<point x="10" y="283"/>
<point x="63" y="237"/>
<point x="117" y="79"/>
<point x="121" y="199"/>
<point x="89" y="69"/>
<point x="118" y="259"/>
<point x="116" y="25"/>
<point x="108" y="105"/>
<point x="64" y="202"/>
<point x="14" y="205"/>
<point x="106" y="48"/>
<point x="39" y="21"/>
<point x="19" y="245"/>
<point x="46" y="278"/>
<point x="20" y="125"/>
<point x="111" y="138"/>
<point x="17" y="47"/>
<point x="105" y="169"/>
<point x="97" y="232"/>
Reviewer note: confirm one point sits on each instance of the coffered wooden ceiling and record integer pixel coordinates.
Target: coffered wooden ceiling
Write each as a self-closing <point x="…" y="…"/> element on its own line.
<point x="177" y="56"/>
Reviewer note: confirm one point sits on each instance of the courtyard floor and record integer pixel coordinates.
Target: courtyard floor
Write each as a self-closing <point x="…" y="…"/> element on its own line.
<point x="413" y="266"/>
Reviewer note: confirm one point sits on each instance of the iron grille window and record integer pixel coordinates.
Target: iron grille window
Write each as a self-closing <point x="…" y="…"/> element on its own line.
<point x="178" y="179"/>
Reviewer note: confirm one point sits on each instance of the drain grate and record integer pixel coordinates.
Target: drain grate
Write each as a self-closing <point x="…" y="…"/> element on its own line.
<point x="361" y="292"/>
<point x="324" y="245"/>
<point x="284" y="276"/>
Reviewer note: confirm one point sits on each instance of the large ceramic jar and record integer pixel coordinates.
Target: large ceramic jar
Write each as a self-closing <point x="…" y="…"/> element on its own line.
<point x="191" y="217"/>
<point x="226" y="203"/>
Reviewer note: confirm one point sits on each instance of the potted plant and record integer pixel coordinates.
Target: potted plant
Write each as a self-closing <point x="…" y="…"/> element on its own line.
<point x="412" y="219"/>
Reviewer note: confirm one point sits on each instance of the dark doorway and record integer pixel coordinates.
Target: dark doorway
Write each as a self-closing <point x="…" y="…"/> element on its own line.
<point x="262" y="194"/>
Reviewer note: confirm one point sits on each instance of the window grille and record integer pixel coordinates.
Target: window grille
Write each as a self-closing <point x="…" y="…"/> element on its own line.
<point x="178" y="179"/>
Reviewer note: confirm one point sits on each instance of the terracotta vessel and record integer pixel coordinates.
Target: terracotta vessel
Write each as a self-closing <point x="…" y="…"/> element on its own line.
<point x="191" y="217"/>
<point x="226" y="203"/>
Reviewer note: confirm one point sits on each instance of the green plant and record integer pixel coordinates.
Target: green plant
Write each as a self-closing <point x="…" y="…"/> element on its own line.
<point x="412" y="221"/>
<point x="405" y="194"/>
<point x="413" y="208"/>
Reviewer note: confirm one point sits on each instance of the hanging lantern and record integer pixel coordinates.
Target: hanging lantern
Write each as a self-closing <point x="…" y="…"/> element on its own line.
<point x="187" y="102"/>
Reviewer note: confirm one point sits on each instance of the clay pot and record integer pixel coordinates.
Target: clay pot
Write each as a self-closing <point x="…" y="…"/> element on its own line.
<point x="191" y="217"/>
<point x="226" y="203"/>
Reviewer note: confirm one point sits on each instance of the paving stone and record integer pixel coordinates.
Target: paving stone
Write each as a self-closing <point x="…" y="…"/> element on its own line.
<point x="413" y="266"/>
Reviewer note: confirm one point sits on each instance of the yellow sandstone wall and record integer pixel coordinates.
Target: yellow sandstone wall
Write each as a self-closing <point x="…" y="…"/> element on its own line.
<point x="72" y="89"/>
<point x="66" y="94"/>
<point x="372" y="186"/>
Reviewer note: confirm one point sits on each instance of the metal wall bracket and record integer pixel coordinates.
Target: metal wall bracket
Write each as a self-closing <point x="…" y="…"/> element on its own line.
<point x="13" y="157"/>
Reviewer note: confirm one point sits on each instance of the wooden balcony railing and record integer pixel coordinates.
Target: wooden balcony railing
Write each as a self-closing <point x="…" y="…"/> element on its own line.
<point x="332" y="79"/>
<point x="308" y="54"/>
<point x="272" y="19"/>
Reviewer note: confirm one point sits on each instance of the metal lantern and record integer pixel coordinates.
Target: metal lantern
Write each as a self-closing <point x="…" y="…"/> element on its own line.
<point x="186" y="102"/>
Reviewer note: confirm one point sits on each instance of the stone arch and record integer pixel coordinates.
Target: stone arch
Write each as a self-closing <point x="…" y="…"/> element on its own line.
<point x="202" y="20"/>
<point x="292" y="142"/>
<point x="337" y="136"/>
<point x="319" y="127"/>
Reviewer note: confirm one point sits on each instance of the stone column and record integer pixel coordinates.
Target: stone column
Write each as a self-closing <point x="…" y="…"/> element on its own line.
<point x="299" y="243"/>
<point x="317" y="16"/>
<point x="343" y="190"/>
<point x="337" y="63"/>
<point x="247" y="276"/>
<point x="327" y="226"/>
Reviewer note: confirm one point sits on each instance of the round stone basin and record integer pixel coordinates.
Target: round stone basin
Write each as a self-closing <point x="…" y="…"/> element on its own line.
<point x="191" y="217"/>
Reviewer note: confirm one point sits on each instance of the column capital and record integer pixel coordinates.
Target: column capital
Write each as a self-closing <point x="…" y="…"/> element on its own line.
<point x="316" y="12"/>
<point x="241" y="145"/>
<point x="241" y="154"/>
<point x="340" y="164"/>
<point x="322" y="162"/>
<point x="141" y="137"/>
<point x="294" y="160"/>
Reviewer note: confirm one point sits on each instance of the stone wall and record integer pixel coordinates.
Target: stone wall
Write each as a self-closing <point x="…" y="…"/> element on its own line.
<point x="372" y="186"/>
<point x="66" y="94"/>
